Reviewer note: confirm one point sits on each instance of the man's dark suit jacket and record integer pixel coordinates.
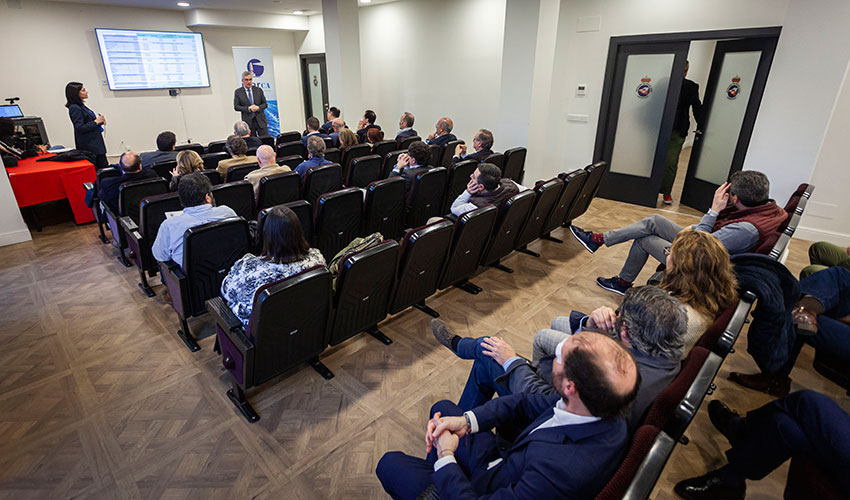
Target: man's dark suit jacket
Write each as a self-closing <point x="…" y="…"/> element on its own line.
<point x="88" y="135"/>
<point x="253" y="142"/>
<point x="477" y="156"/>
<point x="405" y="133"/>
<point x="321" y="135"/>
<point x="149" y="158"/>
<point x="327" y="127"/>
<point x="241" y="103"/>
<point x="109" y="187"/>
<point x="441" y="140"/>
<point x="567" y="461"/>
<point x="361" y="134"/>
<point x="409" y="175"/>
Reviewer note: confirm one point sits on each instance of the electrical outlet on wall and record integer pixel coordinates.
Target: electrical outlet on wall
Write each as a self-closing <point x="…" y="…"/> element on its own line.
<point x="103" y="82"/>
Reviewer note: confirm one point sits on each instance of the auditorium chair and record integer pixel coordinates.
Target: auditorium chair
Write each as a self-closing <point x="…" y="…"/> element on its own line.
<point x="94" y="188"/>
<point x="569" y="193"/>
<point x="666" y="402"/>
<point x="423" y="253"/>
<point x="390" y="161"/>
<point x="511" y="218"/>
<point x="285" y="137"/>
<point x="497" y="159"/>
<point x="292" y="148"/>
<point x="251" y="152"/>
<point x="363" y="170"/>
<point x="459" y="176"/>
<point x="448" y="152"/>
<point x="384" y="208"/>
<point x="278" y="189"/>
<point x="404" y="143"/>
<point x="514" y="164"/>
<point x="641" y="442"/>
<point x="239" y="196"/>
<point x="351" y="153"/>
<point x="546" y="194"/>
<point x="164" y="168"/>
<point x="216" y="147"/>
<point x="211" y="159"/>
<point x="267" y="140"/>
<point x="209" y="251"/>
<point x="721" y="335"/>
<point x="470" y="236"/>
<point x="588" y="191"/>
<point x="238" y="172"/>
<point x="198" y="148"/>
<point x="329" y="143"/>
<point x="130" y="195"/>
<point x="288" y="326"/>
<point x="382" y="148"/>
<point x="436" y="155"/>
<point x="291" y="161"/>
<point x="364" y="286"/>
<point x="320" y="180"/>
<point x="140" y="237"/>
<point x="302" y="210"/>
<point x="212" y="175"/>
<point x="333" y="155"/>
<point x="425" y="199"/>
<point x="338" y="220"/>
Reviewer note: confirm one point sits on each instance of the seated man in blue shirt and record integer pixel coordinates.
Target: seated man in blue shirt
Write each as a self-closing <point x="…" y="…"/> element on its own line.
<point x="316" y="156"/>
<point x="195" y="192"/>
<point x="651" y="324"/>
<point x="312" y="130"/>
<point x="571" y="442"/>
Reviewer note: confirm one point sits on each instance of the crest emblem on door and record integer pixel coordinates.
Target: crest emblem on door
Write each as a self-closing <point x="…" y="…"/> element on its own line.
<point x="315" y="81"/>
<point x="733" y="89"/>
<point x="644" y="89"/>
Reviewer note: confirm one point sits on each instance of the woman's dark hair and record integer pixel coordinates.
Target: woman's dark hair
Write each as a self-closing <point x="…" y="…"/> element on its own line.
<point x="72" y="94"/>
<point x="283" y="238"/>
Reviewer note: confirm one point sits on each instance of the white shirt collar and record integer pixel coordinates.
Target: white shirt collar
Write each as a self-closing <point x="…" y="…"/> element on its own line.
<point x="566" y="418"/>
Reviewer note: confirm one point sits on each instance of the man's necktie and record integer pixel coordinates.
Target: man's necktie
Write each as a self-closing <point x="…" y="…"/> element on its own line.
<point x="251" y="96"/>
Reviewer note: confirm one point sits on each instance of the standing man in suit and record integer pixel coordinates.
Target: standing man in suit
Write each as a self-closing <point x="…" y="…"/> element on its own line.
<point x="482" y="143"/>
<point x="405" y="126"/>
<point x="688" y="98"/>
<point x="251" y="102"/>
<point x="442" y="132"/>
<point x="570" y="443"/>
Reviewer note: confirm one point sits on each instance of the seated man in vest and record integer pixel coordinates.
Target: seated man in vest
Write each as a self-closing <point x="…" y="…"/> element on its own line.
<point x="482" y="143"/>
<point x="238" y="149"/>
<point x="312" y="130"/>
<point x="413" y="162"/>
<point x="571" y="441"/>
<point x="131" y="168"/>
<point x="486" y="187"/>
<point x="741" y="227"/>
<point x="266" y="157"/>
<point x="651" y="324"/>
<point x="442" y="132"/>
<point x="165" y="143"/>
<point x="316" y="156"/>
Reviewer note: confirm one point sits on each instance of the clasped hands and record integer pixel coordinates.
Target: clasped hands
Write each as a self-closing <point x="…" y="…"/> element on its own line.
<point x="444" y="433"/>
<point x="253" y="108"/>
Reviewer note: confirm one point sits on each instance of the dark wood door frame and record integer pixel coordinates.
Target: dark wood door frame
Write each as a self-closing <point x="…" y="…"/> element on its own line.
<point x="305" y="82"/>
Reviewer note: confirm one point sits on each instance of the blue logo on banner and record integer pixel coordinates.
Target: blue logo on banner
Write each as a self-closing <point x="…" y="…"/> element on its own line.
<point x="255" y="67"/>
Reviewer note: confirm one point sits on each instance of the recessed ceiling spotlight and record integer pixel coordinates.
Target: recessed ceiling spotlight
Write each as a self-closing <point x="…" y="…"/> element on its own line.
<point x="297" y="12"/>
<point x="182" y="4"/>
<point x="365" y="1"/>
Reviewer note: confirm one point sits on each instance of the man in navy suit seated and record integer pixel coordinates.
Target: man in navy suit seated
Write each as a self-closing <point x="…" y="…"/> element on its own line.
<point x="412" y="163"/>
<point x="405" y="126"/>
<point x="333" y="112"/>
<point x="570" y="443"/>
<point x="165" y="143"/>
<point x="131" y="170"/>
<point x="336" y="125"/>
<point x="367" y="122"/>
<point x="482" y="143"/>
<point x="442" y="132"/>
<point x="312" y="129"/>
<point x="315" y="158"/>
<point x="243" y="130"/>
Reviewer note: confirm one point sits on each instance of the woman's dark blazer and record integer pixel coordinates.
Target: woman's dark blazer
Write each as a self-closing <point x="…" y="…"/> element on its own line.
<point x="87" y="134"/>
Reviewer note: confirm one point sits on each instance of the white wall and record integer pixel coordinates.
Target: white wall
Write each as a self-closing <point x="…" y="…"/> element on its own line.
<point x="312" y="41"/>
<point x="12" y="227"/>
<point x="63" y="48"/>
<point x="435" y="58"/>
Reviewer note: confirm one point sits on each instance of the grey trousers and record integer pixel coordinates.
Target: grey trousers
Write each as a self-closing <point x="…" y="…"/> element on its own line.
<point x="651" y="236"/>
<point x="547" y="339"/>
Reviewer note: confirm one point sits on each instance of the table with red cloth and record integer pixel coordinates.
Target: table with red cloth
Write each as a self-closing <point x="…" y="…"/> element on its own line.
<point x="35" y="182"/>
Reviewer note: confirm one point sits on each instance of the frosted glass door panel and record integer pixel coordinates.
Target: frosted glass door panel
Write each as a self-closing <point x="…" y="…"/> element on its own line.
<point x="720" y="138"/>
<point x="645" y="85"/>
<point x="315" y="70"/>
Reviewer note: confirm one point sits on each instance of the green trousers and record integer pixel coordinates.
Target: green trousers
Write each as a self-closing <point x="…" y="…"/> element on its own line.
<point x="671" y="166"/>
<point x="822" y="255"/>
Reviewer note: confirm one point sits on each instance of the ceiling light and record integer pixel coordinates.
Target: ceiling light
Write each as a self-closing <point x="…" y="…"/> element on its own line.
<point x="365" y="1"/>
<point x="297" y="12"/>
<point x="182" y="4"/>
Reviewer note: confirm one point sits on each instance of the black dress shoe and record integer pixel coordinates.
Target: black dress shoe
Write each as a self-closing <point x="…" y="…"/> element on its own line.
<point x="724" y="420"/>
<point x="710" y="487"/>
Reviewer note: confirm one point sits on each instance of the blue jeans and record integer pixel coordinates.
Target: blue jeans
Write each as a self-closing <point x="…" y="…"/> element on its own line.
<point x="481" y="384"/>
<point x="832" y="289"/>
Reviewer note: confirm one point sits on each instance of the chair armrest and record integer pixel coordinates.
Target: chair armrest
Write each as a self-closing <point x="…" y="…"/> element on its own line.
<point x="237" y="350"/>
<point x="175" y="281"/>
<point x="140" y="251"/>
<point x="128" y="225"/>
<point x="224" y="317"/>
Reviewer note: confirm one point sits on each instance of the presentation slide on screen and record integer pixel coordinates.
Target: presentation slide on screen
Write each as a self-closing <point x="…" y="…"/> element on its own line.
<point x="152" y="59"/>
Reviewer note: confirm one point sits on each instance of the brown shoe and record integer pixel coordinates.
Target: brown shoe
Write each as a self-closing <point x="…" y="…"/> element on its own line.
<point x="775" y="385"/>
<point x="805" y="315"/>
<point x="166" y="297"/>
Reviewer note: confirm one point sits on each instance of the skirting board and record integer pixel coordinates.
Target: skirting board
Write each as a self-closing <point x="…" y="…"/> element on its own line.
<point x="13" y="237"/>
<point x="811" y="234"/>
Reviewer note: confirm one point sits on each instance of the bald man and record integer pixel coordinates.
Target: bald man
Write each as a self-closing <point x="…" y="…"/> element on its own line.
<point x="266" y="157"/>
<point x="337" y="124"/>
<point x="569" y="446"/>
<point x="442" y="132"/>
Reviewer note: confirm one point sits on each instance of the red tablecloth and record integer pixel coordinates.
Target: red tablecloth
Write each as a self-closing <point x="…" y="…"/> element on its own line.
<point x="39" y="182"/>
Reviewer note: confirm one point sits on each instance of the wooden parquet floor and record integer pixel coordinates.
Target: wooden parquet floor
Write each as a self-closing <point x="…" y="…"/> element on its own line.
<point x="100" y="399"/>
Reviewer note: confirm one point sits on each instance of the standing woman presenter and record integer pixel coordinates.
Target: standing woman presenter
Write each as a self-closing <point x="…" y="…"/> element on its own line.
<point x="88" y="127"/>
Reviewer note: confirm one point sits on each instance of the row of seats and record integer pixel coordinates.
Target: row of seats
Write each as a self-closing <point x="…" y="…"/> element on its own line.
<point x="674" y="409"/>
